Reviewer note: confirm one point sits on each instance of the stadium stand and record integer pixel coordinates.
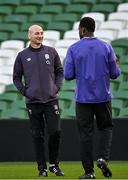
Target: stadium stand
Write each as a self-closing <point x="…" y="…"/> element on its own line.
<point x="60" y="19"/>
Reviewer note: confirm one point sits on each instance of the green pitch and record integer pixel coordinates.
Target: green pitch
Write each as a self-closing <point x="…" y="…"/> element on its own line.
<point x="72" y="170"/>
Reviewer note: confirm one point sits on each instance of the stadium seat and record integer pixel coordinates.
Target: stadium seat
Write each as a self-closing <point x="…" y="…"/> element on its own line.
<point x="11" y="88"/>
<point x="10" y="3"/>
<point x="37" y="3"/>
<point x="25" y="26"/>
<point x="114" y="84"/>
<point x="77" y="8"/>
<point x="97" y="16"/>
<point x="116" y="2"/>
<point x="20" y="104"/>
<point x="119" y="16"/>
<point x="122" y="43"/>
<point x="117" y="104"/>
<point x="88" y="2"/>
<point x="3" y="106"/>
<point x="112" y="25"/>
<point x="123" y="112"/>
<point x="69" y="85"/>
<point x="62" y="53"/>
<point x="58" y="2"/>
<point x="16" y="19"/>
<point x="52" y="36"/>
<point x="4" y="36"/>
<point x="64" y="43"/>
<point x="8" y="27"/>
<point x="14" y="113"/>
<point x="66" y="97"/>
<point x="59" y="26"/>
<point x="41" y="18"/>
<point x="71" y="35"/>
<point x="105" y="8"/>
<point x="123" y="7"/>
<point x="5" y="80"/>
<point x="106" y="34"/>
<point x="51" y="9"/>
<point x="5" y="10"/>
<point x="6" y="54"/>
<point x="75" y="25"/>
<point x="14" y="45"/>
<point x="20" y="35"/>
<point x="26" y="9"/>
<point x="66" y="17"/>
<point x="123" y="86"/>
<point x="67" y="113"/>
<point x="124" y="71"/>
<point x="122" y="95"/>
<point x="123" y="34"/>
<point x="9" y="98"/>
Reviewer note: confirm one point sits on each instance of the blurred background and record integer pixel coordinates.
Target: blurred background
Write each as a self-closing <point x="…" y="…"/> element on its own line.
<point x="60" y="19"/>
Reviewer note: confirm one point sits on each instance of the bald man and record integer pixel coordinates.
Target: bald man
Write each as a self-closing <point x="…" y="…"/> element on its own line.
<point x="41" y="68"/>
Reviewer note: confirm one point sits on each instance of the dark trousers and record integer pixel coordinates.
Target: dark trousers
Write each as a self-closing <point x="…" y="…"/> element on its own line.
<point x="85" y="120"/>
<point x="41" y="115"/>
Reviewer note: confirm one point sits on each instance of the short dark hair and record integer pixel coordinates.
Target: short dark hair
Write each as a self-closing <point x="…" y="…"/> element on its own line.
<point x="88" y="23"/>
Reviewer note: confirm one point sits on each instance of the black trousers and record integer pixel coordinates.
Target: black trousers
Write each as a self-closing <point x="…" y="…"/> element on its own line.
<point x="41" y="116"/>
<point x="85" y="114"/>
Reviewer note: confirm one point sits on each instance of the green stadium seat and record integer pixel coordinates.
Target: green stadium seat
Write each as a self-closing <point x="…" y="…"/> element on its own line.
<point x="4" y="36"/>
<point x="44" y="19"/>
<point x="105" y="8"/>
<point x="122" y="95"/>
<point x="14" y="113"/>
<point x="26" y="9"/>
<point x="9" y="98"/>
<point x="123" y="112"/>
<point x="12" y="89"/>
<point x="67" y="98"/>
<point x="77" y="8"/>
<point x="117" y="104"/>
<point x="66" y="17"/>
<point x="69" y="85"/>
<point x="24" y="27"/>
<point x="123" y="86"/>
<point x="67" y="113"/>
<point x="114" y="84"/>
<point x="16" y="18"/>
<point x="8" y="27"/>
<point x="116" y="2"/>
<point x="51" y="9"/>
<point x="89" y="2"/>
<point x="124" y="59"/>
<point x="5" y="10"/>
<point x="59" y="2"/>
<point x="20" y="35"/>
<point x="122" y="43"/>
<point x="59" y="26"/>
<point x="37" y="3"/>
<point x="119" y="51"/>
<point x="10" y="2"/>
<point x="124" y="71"/>
<point x="3" y="106"/>
<point x="20" y="104"/>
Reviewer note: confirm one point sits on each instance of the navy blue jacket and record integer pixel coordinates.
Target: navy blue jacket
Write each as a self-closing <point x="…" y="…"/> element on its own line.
<point x="42" y="71"/>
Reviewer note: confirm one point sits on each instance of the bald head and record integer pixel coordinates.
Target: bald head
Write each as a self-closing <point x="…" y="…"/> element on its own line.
<point x="35" y="35"/>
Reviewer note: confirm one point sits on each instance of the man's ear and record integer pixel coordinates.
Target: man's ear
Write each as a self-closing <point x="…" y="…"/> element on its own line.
<point x="84" y="30"/>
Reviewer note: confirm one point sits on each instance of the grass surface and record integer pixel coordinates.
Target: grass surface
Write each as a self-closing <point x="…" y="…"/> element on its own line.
<point x="72" y="170"/>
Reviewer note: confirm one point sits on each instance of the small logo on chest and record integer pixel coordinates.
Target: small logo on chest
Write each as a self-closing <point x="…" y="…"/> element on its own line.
<point x="28" y="59"/>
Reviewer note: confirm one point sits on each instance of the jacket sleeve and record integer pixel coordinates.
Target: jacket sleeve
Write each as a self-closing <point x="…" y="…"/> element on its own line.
<point x="58" y="71"/>
<point x="17" y="75"/>
<point x="114" y="70"/>
<point x="69" y="67"/>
